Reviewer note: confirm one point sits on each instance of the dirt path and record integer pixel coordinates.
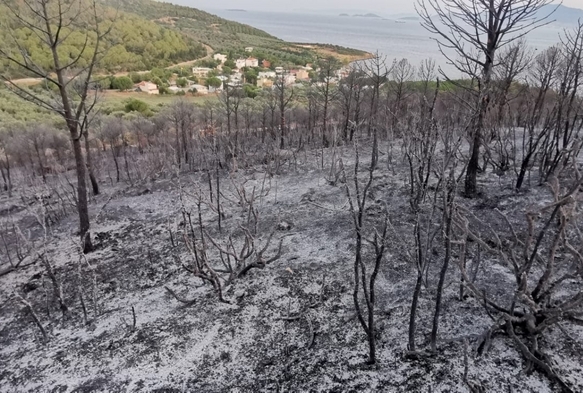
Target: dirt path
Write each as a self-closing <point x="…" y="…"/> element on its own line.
<point x="209" y="53"/>
<point x="26" y="81"/>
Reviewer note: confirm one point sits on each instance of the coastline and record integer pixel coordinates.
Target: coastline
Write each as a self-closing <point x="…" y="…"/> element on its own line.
<point x="343" y="54"/>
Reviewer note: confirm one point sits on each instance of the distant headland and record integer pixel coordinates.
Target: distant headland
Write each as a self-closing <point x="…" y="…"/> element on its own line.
<point x="369" y="15"/>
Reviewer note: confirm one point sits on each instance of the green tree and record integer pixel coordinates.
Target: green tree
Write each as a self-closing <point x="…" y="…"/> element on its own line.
<point x="135" y="77"/>
<point x="251" y="76"/>
<point x="122" y="83"/>
<point x="181" y="82"/>
<point x="105" y="83"/>
<point x="214" y="82"/>
<point x="134" y="105"/>
<point x="250" y="91"/>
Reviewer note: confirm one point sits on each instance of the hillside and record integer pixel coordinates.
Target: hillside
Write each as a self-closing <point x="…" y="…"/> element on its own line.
<point x="220" y="34"/>
<point x="561" y="14"/>
<point x="148" y="34"/>
<point x="134" y="43"/>
<point x="210" y="28"/>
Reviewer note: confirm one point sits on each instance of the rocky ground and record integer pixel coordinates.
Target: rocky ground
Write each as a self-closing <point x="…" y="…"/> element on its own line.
<point x="289" y="327"/>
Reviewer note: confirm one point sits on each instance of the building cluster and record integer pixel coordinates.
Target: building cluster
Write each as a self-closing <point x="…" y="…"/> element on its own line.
<point x="265" y="79"/>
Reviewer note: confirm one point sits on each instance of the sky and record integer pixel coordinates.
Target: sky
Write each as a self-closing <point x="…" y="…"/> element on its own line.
<point x="386" y="7"/>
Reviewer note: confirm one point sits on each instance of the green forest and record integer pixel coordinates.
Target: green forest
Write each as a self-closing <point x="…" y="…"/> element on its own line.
<point x="132" y="44"/>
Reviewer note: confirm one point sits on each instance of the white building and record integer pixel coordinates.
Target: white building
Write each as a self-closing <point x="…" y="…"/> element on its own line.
<point x="249" y="49"/>
<point x="147" y="87"/>
<point x="219" y="57"/>
<point x="251" y="62"/>
<point x="266" y="74"/>
<point x="240" y="63"/>
<point x="279" y="70"/>
<point x="237" y="78"/>
<point x="200" y="89"/>
<point x="201" y="72"/>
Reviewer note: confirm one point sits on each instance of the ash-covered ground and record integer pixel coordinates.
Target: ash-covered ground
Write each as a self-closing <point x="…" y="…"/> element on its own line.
<point x="289" y="327"/>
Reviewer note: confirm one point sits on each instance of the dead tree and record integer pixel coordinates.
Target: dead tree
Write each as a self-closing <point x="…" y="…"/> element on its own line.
<point x="559" y="145"/>
<point x="364" y="283"/>
<point x="34" y="316"/>
<point x="236" y="257"/>
<point x="419" y="146"/>
<point x="284" y="94"/>
<point x="376" y="70"/>
<point x="545" y="261"/>
<point x="475" y="31"/>
<point x="541" y="77"/>
<point x="50" y="21"/>
<point x="327" y="93"/>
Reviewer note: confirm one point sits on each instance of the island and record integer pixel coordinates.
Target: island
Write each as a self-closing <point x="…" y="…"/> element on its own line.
<point x="369" y="15"/>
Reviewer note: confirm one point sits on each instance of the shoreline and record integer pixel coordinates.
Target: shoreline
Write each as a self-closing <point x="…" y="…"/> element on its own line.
<point x="344" y="54"/>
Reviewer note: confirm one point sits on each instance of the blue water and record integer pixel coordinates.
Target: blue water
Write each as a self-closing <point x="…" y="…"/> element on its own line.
<point x="393" y="40"/>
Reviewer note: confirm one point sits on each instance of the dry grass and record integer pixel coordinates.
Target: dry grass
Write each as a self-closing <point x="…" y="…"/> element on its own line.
<point x="326" y="51"/>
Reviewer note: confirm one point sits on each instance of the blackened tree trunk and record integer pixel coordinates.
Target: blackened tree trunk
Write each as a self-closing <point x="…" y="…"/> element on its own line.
<point x="94" y="184"/>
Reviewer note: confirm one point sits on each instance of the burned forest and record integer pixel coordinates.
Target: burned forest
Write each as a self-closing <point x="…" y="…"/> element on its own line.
<point x="393" y="229"/>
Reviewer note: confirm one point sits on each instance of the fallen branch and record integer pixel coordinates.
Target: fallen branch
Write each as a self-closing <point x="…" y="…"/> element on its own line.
<point x="178" y="297"/>
<point x="30" y="310"/>
<point x="535" y="360"/>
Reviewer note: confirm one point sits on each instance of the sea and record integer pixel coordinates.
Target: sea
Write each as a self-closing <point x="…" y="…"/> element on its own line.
<point x="391" y="38"/>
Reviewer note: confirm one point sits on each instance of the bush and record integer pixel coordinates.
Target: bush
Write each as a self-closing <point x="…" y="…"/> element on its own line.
<point x="135" y="77"/>
<point x="134" y="105"/>
<point x="122" y="83"/>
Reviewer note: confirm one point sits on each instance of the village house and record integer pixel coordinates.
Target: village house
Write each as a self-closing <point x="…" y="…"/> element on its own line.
<point x="200" y="89"/>
<point x="266" y="74"/>
<point x="249" y="49"/>
<point x="279" y="70"/>
<point x="240" y="63"/>
<point x="236" y="78"/>
<point x="201" y="72"/>
<point x="219" y="57"/>
<point x="302" y="74"/>
<point x="264" y="83"/>
<point x="266" y="64"/>
<point x="147" y="87"/>
<point x="251" y="62"/>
